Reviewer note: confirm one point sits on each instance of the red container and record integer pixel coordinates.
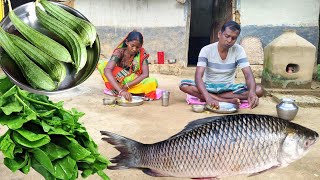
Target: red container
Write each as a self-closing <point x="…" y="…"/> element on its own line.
<point x="160" y="57"/>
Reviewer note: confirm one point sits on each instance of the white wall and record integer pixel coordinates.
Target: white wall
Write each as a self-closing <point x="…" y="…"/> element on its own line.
<point x="133" y="13"/>
<point x="279" y="12"/>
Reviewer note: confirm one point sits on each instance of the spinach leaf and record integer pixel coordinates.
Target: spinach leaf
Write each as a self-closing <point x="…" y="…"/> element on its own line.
<point x="16" y="163"/>
<point x="43" y="135"/>
<point x="11" y="107"/>
<point x="25" y="169"/>
<point x="77" y="152"/>
<point x="19" y="139"/>
<point x="10" y="92"/>
<point x="86" y="173"/>
<point x="14" y="121"/>
<point x="98" y="165"/>
<point x="64" y="167"/>
<point x="52" y="130"/>
<point x="43" y="159"/>
<point x="54" y="151"/>
<point x="89" y="159"/>
<point x="7" y="145"/>
<point x="5" y="84"/>
<point x="103" y="175"/>
<point x="30" y="136"/>
<point x="59" y="131"/>
<point x="40" y="169"/>
<point x="46" y="113"/>
<point x="102" y="159"/>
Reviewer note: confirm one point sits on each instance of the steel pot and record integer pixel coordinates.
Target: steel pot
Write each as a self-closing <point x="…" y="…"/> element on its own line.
<point x="287" y="109"/>
<point x="27" y="13"/>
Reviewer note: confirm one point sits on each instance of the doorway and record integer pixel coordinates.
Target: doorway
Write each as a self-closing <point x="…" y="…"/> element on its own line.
<point x="207" y="17"/>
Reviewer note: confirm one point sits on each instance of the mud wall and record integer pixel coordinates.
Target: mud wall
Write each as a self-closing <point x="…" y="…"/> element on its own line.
<point x="163" y="23"/>
<point x="267" y="20"/>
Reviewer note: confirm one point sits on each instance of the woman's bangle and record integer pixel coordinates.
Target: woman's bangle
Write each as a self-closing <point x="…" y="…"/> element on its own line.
<point x="120" y="91"/>
<point x="127" y="86"/>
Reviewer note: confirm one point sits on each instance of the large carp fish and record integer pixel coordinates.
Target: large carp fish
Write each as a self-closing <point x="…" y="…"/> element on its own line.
<point x="216" y="147"/>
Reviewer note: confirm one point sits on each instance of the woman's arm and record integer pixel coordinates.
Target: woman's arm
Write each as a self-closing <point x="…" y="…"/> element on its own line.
<point x="145" y="74"/>
<point x="108" y="72"/>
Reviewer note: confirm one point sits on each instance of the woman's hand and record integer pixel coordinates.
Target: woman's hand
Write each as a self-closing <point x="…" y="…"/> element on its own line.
<point x="126" y="95"/>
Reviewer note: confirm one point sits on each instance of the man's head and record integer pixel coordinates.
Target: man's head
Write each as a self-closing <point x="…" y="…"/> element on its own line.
<point x="228" y="34"/>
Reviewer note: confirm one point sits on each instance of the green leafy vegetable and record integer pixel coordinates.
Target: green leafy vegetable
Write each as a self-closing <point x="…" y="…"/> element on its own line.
<point x="7" y="146"/>
<point x="21" y="140"/>
<point x="54" y="151"/>
<point x="16" y="163"/>
<point x="43" y="135"/>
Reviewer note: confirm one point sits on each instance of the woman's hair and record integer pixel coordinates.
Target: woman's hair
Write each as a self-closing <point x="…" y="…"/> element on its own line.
<point x="135" y="35"/>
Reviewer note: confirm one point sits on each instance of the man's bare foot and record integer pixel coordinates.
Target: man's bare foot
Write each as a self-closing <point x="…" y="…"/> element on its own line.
<point x="235" y="101"/>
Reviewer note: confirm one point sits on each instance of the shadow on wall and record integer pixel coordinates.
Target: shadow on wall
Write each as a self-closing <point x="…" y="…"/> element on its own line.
<point x="268" y="33"/>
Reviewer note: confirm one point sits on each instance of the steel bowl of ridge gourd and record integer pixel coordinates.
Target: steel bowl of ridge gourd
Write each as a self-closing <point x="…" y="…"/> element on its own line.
<point x="58" y="45"/>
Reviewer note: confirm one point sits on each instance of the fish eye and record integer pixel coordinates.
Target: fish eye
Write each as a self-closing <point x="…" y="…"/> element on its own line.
<point x="308" y="143"/>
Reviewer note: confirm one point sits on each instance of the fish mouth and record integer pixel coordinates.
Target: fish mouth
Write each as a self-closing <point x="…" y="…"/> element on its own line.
<point x="313" y="139"/>
<point x="316" y="137"/>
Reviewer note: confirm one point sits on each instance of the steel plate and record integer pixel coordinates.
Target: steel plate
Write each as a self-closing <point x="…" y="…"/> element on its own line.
<point x="27" y="13"/>
<point x="224" y="108"/>
<point x="136" y="101"/>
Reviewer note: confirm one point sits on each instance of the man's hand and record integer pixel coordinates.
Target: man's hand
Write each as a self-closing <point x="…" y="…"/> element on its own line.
<point x="251" y="83"/>
<point x="213" y="103"/>
<point x="253" y="100"/>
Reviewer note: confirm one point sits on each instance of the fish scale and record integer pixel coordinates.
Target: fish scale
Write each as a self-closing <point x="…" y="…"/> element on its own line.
<point x="220" y="145"/>
<point x="217" y="147"/>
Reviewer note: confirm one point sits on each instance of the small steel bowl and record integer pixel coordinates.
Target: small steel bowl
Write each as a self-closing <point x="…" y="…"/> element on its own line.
<point x="198" y="108"/>
<point x="109" y="100"/>
<point x="27" y="13"/>
<point x="172" y="61"/>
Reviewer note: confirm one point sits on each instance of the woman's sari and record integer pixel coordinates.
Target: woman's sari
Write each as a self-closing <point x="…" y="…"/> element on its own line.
<point x="123" y="76"/>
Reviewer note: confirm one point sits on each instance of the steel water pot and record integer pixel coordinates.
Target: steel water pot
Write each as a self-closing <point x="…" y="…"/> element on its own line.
<point x="287" y="109"/>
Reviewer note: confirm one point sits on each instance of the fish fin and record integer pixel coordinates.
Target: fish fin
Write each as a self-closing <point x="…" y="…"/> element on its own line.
<point x="126" y="159"/>
<point x="196" y="123"/>
<point x="154" y="173"/>
<point x="260" y="172"/>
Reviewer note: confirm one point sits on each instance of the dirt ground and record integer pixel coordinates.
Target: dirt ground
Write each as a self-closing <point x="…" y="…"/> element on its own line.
<point x="152" y="122"/>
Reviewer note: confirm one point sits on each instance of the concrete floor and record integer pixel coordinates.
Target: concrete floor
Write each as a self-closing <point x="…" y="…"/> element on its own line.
<point x="152" y="122"/>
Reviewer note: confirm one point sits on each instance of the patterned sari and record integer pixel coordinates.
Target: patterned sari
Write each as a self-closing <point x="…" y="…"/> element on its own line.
<point x="124" y="75"/>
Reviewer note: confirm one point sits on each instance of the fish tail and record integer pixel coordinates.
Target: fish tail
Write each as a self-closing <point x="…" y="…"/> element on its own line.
<point x="127" y="147"/>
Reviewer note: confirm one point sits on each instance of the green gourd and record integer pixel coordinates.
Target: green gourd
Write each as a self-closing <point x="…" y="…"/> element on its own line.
<point x="43" y="42"/>
<point x="75" y="45"/>
<point x="54" y="68"/>
<point x="34" y="75"/>
<point x="85" y="29"/>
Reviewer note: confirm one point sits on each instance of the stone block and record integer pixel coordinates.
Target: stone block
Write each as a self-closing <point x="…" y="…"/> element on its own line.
<point x="154" y="68"/>
<point x="256" y="70"/>
<point x="253" y="48"/>
<point x="170" y="69"/>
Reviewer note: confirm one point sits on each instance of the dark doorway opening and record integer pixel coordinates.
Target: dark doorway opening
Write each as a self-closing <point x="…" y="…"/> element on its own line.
<point x="207" y="17"/>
